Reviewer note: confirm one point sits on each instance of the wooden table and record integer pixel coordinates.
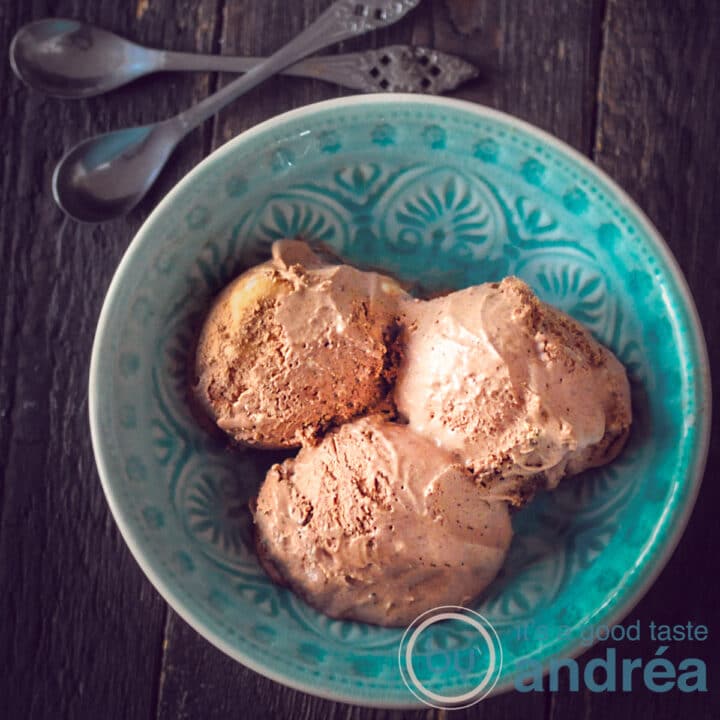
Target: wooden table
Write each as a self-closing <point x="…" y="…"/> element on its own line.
<point x="634" y="84"/>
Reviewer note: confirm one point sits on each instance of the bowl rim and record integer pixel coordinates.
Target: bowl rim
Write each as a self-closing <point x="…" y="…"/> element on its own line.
<point x="704" y="412"/>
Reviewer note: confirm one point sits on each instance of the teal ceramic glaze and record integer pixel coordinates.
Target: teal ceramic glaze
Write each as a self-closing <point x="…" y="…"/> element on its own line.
<point x="446" y="194"/>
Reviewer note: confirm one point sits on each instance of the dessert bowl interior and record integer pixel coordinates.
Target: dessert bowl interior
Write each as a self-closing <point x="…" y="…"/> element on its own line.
<point x="442" y="194"/>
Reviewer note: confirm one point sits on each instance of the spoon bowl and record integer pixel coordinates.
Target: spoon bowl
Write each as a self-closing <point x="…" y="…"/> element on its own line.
<point x="69" y="59"/>
<point x="107" y="175"/>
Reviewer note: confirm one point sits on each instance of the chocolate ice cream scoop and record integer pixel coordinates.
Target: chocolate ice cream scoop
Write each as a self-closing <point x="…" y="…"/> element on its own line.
<point x="378" y="524"/>
<point x="294" y="346"/>
<point x="518" y="390"/>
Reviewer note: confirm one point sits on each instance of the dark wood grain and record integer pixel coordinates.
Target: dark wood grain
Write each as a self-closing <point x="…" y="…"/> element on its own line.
<point x="539" y="59"/>
<point x="81" y="627"/>
<point x="82" y="632"/>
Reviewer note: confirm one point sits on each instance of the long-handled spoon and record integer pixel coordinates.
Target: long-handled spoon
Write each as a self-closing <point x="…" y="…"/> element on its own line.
<point x="70" y="59"/>
<point x="106" y="176"/>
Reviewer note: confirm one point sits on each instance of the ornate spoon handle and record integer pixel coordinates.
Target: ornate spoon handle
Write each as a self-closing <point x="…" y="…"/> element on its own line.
<point x="393" y="68"/>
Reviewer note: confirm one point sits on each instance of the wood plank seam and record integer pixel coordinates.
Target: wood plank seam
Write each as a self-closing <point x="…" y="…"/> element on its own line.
<point x="218" y="29"/>
<point x="602" y="81"/>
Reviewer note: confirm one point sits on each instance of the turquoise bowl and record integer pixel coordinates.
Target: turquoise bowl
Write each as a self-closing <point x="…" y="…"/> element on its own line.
<point x="446" y="194"/>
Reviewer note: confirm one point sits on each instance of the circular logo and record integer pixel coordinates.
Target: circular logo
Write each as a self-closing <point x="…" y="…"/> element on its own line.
<point x="463" y="654"/>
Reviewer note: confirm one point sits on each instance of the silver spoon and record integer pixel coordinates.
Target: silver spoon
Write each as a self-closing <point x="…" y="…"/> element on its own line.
<point x="106" y="176"/>
<point x="70" y="59"/>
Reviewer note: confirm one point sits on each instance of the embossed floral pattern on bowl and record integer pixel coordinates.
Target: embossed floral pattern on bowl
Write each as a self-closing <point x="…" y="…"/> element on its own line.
<point x="443" y="194"/>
